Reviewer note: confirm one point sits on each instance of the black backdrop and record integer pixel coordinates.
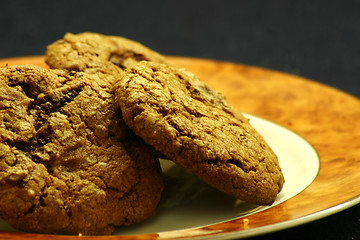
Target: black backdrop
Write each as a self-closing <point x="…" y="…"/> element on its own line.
<point x="314" y="39"/>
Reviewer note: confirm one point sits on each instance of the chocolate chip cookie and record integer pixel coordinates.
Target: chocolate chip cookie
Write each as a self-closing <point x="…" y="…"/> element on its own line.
<point x="97" y="53"/>
<point x="180" y="116"/>
<point x="68" y="162"/>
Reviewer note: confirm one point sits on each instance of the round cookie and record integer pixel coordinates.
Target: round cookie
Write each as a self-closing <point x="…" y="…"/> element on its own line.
<point x="180" y="116"/>
<point x="68" y="162"/>
<point x="97" y="53"/>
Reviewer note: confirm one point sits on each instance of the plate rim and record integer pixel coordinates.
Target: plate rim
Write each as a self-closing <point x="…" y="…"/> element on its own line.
<point x="294" y="222"/>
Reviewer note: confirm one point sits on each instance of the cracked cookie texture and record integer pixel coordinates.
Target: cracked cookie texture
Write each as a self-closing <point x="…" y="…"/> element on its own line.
<point x="97" y="53"/>
<point x="68" y="162"/>
<point x="172" y="110"/>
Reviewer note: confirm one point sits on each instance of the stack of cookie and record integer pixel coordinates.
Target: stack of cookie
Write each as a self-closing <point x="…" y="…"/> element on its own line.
<point x="79" y="142"/>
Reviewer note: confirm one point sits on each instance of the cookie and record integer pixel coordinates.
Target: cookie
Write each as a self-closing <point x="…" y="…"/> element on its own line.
<point x="97" y="53"/>
<point x="180" y="116"/>
<point x="68" y="162"/>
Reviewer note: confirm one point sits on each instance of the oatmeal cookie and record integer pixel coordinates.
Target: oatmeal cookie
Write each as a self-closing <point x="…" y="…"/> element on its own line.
<point x="180" y="116"/>
<point x="68" y="162"/>
<point x="97" y="53"/>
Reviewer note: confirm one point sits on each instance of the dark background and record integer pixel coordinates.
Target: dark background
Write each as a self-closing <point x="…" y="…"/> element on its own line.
<point x="317" y="39"/>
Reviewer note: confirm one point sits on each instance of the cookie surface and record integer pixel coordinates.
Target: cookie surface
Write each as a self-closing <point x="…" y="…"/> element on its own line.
<point x="68" y="163"/>
<point x="97" y="53"/>
<point x="172" y="110"/>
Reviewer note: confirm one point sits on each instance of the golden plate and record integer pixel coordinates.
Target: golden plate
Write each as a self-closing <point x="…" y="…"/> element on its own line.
<point x="327" y="118"/>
